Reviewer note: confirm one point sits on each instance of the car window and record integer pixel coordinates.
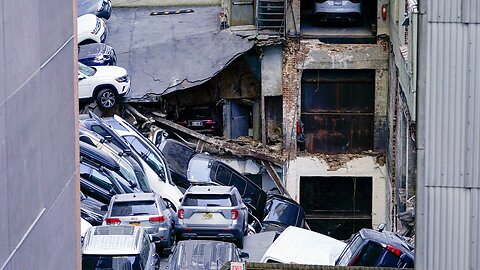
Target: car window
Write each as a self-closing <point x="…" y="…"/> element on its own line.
<point x="145" y="250"/>
<point x="223" y="175"/>
<point x="84" y="171"/>
<point x="370" y="254"/>
<point x="282" y="212"/>
<point x="101" y="180"/>
<point x="84" y="69"/>
<point x="94" y="262"/>
<point x="150" y="158"/>
<point x="207" y="200"/>
<point x="239" y="183"/>
<point x="126" y="171"/>
<point x="99" y="130"/>
<point x="136" y="208"/>
<point x="350" y="250"/>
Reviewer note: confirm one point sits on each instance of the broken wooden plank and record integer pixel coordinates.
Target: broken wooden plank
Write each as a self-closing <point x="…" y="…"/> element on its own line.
<point x="278" y="182"/>
<point x="233" y="148"/>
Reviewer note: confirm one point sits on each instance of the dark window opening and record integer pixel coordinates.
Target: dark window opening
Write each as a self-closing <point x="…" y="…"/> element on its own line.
<point x="337" y="206"/>
<point x="338" y="109"/>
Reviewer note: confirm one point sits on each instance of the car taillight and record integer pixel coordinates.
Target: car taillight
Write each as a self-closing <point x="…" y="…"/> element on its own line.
<point x="158" y="219"/>
<point x="180" y="213"/>
<point x="234" y="214"/>
<point x="394" y="250"/>
<point x="210" y="122"/>
<point x="112" y="221"/>
<point x="354" y="261"/>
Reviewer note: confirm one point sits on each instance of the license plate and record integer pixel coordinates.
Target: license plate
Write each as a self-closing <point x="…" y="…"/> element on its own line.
<point x="196" y="123"/>
<point x="207" y="216"/>
<point x="135" y="223"/>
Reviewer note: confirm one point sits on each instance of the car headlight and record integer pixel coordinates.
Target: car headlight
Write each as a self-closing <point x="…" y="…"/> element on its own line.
<point x="122" y="79"/>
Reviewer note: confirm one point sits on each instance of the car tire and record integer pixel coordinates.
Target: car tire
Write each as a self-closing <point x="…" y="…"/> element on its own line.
<point x="239" y="242"/>
<point x="106" y="98"/>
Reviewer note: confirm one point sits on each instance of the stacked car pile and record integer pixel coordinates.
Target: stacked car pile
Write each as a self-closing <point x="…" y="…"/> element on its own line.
<point x="98" y="77"/>
<point x="171" y="194"/>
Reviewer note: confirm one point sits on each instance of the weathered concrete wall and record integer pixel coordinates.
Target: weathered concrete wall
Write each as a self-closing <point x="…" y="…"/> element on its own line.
<point x="368" y="166"/>
<point x="164" y="3"/>
<point x="272" y="71"/>
<point x="39" y="201"/>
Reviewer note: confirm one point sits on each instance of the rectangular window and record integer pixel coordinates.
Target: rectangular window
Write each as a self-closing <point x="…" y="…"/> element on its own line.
<point x="338" y="108"/>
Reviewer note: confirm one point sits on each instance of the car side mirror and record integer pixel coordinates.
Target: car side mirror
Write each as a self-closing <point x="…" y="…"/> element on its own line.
<point x="132" y="184"/>
<point x="104" y="207"/>
<point x="244" y="255"/>
<point x="381" y="227"/>
<point x="180" y="200"/>
<point x="112" y="191"/>
<point x="81" y="77"/>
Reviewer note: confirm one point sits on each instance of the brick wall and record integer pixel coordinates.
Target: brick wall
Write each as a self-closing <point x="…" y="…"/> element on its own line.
<point x="291" y="94"/>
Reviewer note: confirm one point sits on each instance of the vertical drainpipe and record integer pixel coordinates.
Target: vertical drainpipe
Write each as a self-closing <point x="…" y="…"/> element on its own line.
<point x="421" y="222"/>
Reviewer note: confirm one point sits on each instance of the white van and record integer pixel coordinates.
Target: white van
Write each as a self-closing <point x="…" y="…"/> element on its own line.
<point x="301" y="246"/>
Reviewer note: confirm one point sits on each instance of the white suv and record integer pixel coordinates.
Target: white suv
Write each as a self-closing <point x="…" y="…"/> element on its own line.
<point x="91" y="29"/>
<point x="103" y="84"/>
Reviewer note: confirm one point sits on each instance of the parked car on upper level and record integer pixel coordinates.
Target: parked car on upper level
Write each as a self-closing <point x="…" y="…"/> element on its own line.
<point x="101" y="8"/>
<point x="202" y="119"/>
<point x="104" y="84"/>
<point x="377" y="248"/>
<point x="281" y="212"/>
<point x="216" y="212"/>
<point x="143" y="209"/>
<point x="97" y="54"/>
<point x="204" y="169"/>
<point x="338" y="10"/>
<point x="204" y="255"/>
<point x="118" y="247"/>
<point x="301" y="246"/>
<point x="91" y="29"/>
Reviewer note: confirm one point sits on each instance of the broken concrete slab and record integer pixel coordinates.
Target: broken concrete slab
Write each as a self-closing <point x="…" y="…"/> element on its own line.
<point x="166" y="53"/>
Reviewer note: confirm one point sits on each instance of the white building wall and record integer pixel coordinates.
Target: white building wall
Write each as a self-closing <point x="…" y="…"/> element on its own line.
<point x="358" y="167"/>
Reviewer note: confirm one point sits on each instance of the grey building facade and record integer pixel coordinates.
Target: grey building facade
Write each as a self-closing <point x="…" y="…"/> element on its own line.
<point x="38" y="157"/>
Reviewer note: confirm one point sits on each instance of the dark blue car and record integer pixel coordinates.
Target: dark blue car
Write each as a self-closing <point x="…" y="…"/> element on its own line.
<point x="101" y="8"/>
<point x="97" y="54"/>
<point x="377" y="248"/>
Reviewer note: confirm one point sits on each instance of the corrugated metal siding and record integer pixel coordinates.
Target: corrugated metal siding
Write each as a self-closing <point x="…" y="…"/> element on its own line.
<point x="445" y="10"/>
<point x="470" y="11"/>
<point x="451" y="228"/>
<point x="446" y="105"/>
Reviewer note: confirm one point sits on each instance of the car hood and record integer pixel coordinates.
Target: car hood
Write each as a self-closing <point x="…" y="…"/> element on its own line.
<point x="109" y="72"/>
<point x="86" y="23"/>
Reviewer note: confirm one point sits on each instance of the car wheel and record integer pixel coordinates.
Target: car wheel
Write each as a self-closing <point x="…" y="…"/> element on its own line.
<point x="106" y="98"/>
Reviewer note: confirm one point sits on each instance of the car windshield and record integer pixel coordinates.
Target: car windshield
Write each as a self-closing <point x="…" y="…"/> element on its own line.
<point x="95" y="262"/>
<point x="207" y="200"/>
<point x="282" y="212"/>
<point x="148" y="156"/>
<point x="126" y="171"/>
<point x="86" y="70"/>
<point x="122" y="209"/>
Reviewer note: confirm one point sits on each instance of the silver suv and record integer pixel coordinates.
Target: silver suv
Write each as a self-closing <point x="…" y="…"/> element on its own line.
<point x="118" y="247"/>
<point x="147" y="210"/>
<point x="216" y="212"/>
